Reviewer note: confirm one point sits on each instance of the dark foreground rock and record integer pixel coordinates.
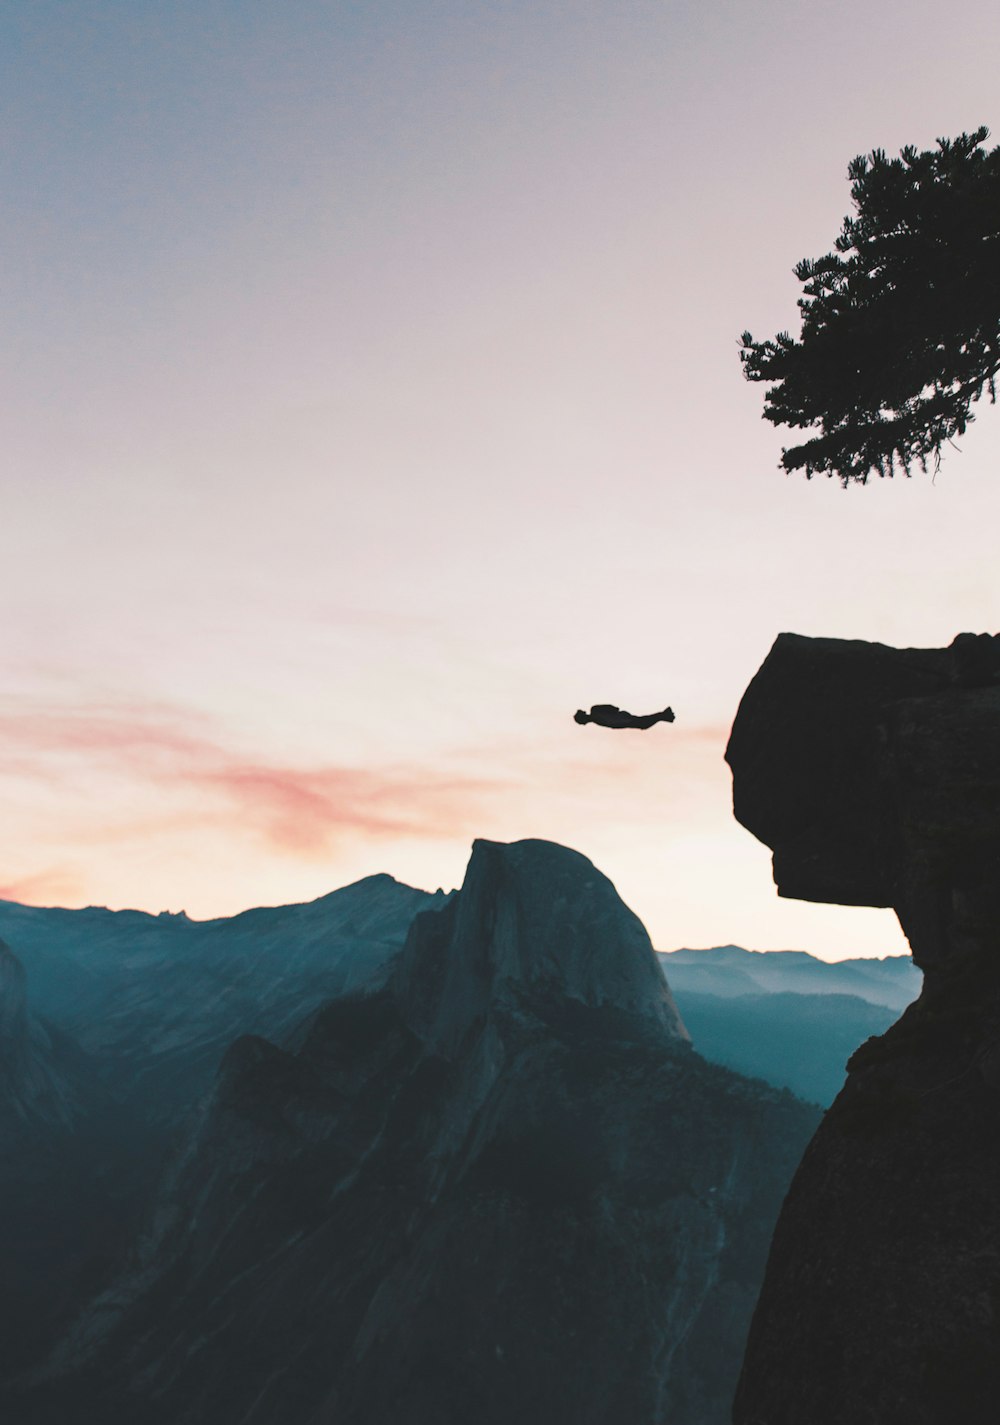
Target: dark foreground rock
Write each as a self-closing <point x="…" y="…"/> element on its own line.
<point x="503" y="1189"/>
<point x="874" y="774"/>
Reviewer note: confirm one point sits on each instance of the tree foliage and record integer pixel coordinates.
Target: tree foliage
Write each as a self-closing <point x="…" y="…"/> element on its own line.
<point x="901" y="324"/>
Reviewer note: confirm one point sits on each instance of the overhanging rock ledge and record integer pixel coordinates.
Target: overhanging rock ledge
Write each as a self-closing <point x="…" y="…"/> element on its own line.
<point x="873" y="773"/>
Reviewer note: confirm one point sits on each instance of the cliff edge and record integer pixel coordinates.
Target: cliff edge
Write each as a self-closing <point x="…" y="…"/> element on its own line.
<point x="873" y="773"/>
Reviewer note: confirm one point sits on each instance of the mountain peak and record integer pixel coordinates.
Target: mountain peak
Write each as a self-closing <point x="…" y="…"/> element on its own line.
<point x="530" y="914"/>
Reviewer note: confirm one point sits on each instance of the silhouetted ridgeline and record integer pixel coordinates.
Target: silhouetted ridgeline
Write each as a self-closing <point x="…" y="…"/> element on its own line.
<point x="874" y="774"/>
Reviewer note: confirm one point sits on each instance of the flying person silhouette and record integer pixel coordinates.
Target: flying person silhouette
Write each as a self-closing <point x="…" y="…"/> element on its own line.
<point x="607" y="715"/>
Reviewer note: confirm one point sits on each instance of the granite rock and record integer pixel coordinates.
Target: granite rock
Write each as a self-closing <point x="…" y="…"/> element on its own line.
<point x="873" y="773"/>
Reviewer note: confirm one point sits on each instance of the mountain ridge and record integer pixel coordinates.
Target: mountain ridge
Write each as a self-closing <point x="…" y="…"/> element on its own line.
<point x="333" y="1219"/>
<point x="891" y="980"/>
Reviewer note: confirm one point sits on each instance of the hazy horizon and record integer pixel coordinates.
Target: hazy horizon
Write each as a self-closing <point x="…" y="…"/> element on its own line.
<point x="446" y="890"/>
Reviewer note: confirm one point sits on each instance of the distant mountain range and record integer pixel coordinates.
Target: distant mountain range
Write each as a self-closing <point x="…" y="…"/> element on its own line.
<point x="151" y="1002"/>
<point x="785" y="1016"/>
<point x="481" y="1177"/>
<point x="729" y="970"/>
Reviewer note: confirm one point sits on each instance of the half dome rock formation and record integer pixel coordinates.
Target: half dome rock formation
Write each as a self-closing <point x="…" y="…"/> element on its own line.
<point x="874" y="775"/>
<point x="532" y="916"/>
<point x="501" y="1188"/>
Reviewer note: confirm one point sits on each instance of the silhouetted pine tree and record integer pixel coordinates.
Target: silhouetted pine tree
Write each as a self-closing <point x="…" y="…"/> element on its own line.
<point x="901" y="324"/>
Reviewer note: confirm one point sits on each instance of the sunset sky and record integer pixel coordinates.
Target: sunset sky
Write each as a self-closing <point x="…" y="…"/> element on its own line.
<point x="372" y="401"/>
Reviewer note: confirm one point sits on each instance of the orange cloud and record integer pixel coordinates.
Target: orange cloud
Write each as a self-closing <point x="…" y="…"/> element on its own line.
<point x="298" y="809"/>
<point x="179" y="777"/>
<point x="58" y="885"/>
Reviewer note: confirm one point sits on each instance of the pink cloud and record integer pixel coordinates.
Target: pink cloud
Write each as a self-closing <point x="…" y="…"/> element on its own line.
<point x="298" y="809"/>
<point x="123" y="732"/>
<point x="188" y="780"/>
<point x="304" y="809"/>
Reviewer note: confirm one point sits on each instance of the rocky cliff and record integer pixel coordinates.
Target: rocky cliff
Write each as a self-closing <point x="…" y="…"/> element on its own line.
<point x="502" y="1188"/>
<point x="112" y="1026"/>
<point x="53" y="1202"/>
<point x="874" y="775"/>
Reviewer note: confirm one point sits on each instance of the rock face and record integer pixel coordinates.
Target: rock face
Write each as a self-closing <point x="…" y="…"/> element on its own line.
<point x="112" y="1026"/>
<point x="502" y="1188"/>
<point x="531" y="916"/>
<point x="15" y="1050"/>
<point x="874" y="775"/>
<point x="52" y="1201"/>
<point x="46" y="1083"/>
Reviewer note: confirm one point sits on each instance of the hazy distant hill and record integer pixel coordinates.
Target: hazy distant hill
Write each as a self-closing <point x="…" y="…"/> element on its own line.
<point x="799" y="1042"/>
<point x="785" y="1016"/>
<point x="730" y="970"/>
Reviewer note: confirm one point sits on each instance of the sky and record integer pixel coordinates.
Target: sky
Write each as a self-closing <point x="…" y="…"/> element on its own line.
<point x="371" y="401"/>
